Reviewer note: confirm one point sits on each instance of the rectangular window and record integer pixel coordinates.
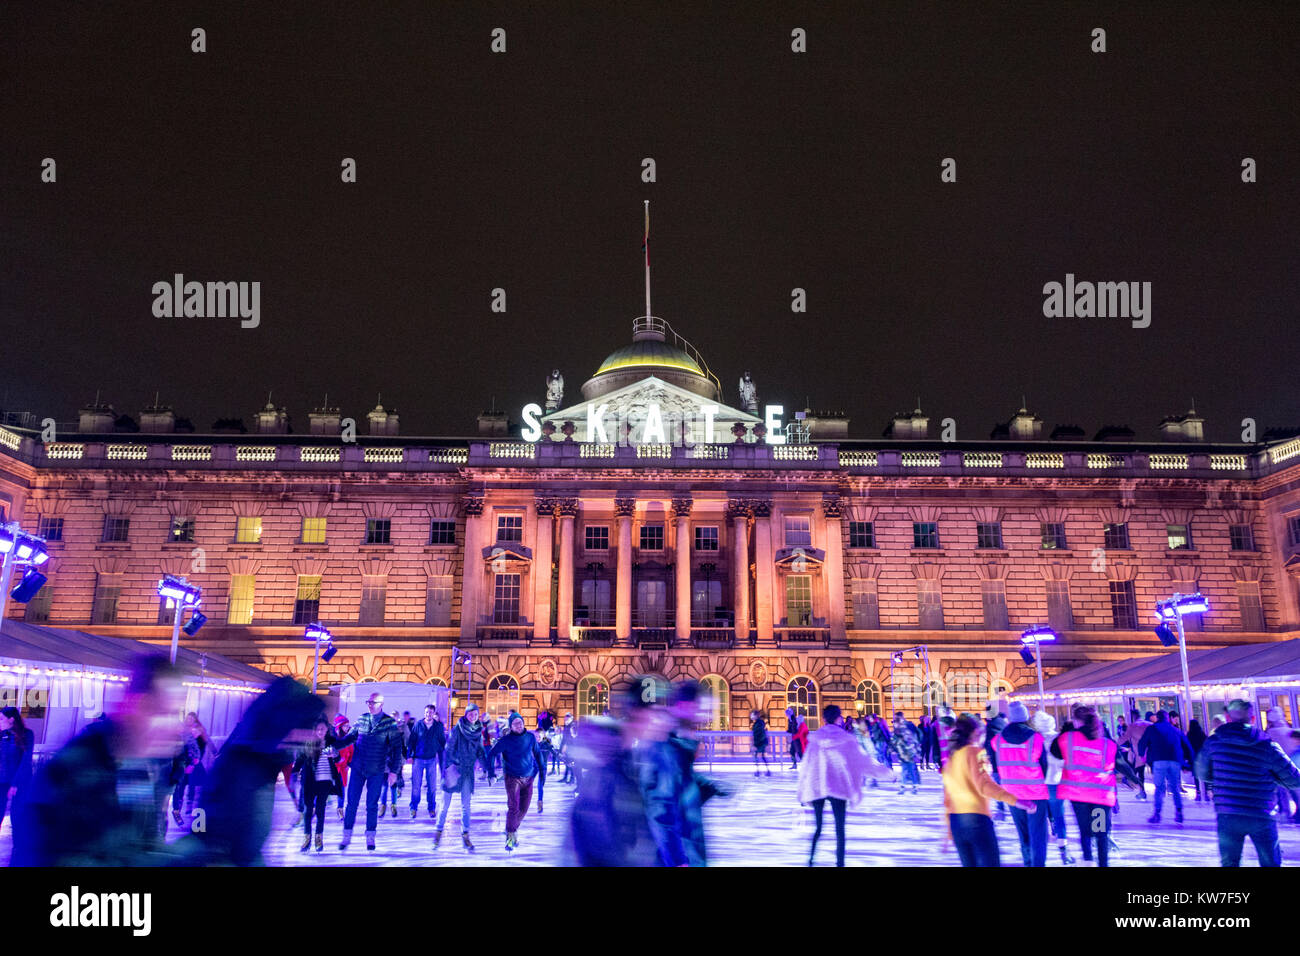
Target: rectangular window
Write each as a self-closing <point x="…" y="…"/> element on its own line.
<point x="240" y="608"/>
<point x="182" y="531"/>
<point x="510" y="527"/>
<point x="1293" y="528"/>
<point x="861" y="534"/>
<point x="51" y="529"/>
<point x="248" y="530"/>
<point x="798" y="600"/>
<point x="1179" y="535"/>
<point x="313" y="530"/>
<point x="652" y="537"/>
<point x="929" y="605"/>
<point x="116" y="529"/>
<point x="505" y="599"/>
<point x="1059" y="613"/>
<point x="596" y="537"/>
<point x="706" y="600"/>
<point x="374" y="593"/>
<point x="866" y="604"/>
<point x="651" y="603"/>
<point x="1242" y="538"/>
<point x="994" y="595"/>
<point x="379" y="530"/>
<point x="306" y="605"/>
<point x="988" y="534"/>
<point x="108" y="588"/>
<point x="798" y="531"/>
<point x="1123" y="605"/>
<point x="595" y="598"/>
<point x="925" y="534"/>
<point x="1252" y="607"/>
<point x="1053" y="536"/>
<point x="38" y="608"/>
<point x="437" y="605"/>
<point x="442" y="531"/>
<point x="706" y="538"/>
<point x="166" y="611"/>
<point x="1116" y="537"/>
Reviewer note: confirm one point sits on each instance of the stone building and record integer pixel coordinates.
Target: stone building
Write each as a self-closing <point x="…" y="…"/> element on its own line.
<point x="652" y="527"/>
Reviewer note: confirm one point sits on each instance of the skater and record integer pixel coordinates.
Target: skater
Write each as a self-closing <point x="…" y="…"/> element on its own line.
<point x="880" y="739"/>
<point x="758" y="735"/>
<point x="463" y="752"/>
<point x="1167" y="750"/>
<point x="568" y="739"/>
<point x="994" y="723"/>
<point x="908" y="751"/>
<point x="1088" y="779"/>
<point x="16" y="745"/>
<point x="376" y="760"/>
<point x="1137" y="727"/>
<point x="1045" y="724"/>
<point x="674" y="793"/>
<point x="400" y="782"/>
<point x="796" y="743"/>
<point x="1196" y="737"/>
<point x="318" y="766"/>
<point x="1022" y="755"/>
<point x="967" y="789"/>
<point x="188" y="771"/>
<point x="1244" y="766"/>
<point x="521" y="758"/>
<point x="1279" y="731"/>
<point x="427" y="741"/>
<point x="834" y="769"/>
<point x="942" y="731"/>
<point x="341" y="729"/>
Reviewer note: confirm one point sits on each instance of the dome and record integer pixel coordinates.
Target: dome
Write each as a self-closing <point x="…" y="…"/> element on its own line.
<point x="652" y="353"/>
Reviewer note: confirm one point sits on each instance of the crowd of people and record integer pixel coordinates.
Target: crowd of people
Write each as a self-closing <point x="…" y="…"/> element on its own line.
<point x="110" y="795"/>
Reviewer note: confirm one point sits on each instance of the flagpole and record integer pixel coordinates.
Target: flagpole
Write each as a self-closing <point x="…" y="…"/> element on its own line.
<point x="646" y="244"/>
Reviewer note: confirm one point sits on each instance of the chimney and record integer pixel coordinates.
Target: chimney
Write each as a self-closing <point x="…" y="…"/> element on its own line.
<point x="1067" y="433"/>
<point x="493" y="424"/>
<point x="96" y="419"/>
<point x="1114" y="433"/>
<point x="915" y="425"/>
<point x="382" y="422"/>
<point x="271" y="420"/>
<point x="1190" y="427"/>
<point x="826" y="425"/>
<point x="325" y="420"/>
<point x="1024" y="426"/>
<point x="157" y="419"/>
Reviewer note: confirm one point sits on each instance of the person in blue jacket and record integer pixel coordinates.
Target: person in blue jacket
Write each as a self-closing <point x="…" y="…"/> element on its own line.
<point x="522" y="759"/>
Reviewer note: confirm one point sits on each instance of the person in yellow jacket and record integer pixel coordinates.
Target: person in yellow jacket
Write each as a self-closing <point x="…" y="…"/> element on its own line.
<point x="967" y="789"/>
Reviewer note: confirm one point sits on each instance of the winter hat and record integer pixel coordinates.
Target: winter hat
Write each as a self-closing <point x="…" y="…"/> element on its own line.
<point x="340" y="720"/>
<point x="991" y="710"/>
<point x="511" y="719"/>
<point x="1044" y="723"/>
<point x="1018" y="714"/>
<point x="1275" y="717"/>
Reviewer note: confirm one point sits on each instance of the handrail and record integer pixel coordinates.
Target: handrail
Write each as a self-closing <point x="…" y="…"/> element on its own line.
<point x="652" y="323"/>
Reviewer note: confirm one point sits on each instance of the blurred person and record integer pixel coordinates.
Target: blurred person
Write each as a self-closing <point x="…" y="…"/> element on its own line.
<point x="1021" y="754"/>
<point x="521" y="757"/>
<point x="1196" y="737"/>
<point x="568" y="736"/>
<point x="17" y="745"/>
<point x="426" y="743"/>
<point x="342" y="727"/>
<point x="834" y="770"/>
<point x="95" y="802"/>
<point x="758" y="737"/>
<point x="1245" y="767"/>
<point x="1166" y="749"/>
<point x="799" y="741"/>
<point x="1279" y="731"/>
<point x="908" y="750"/>
<point x="994" y="723"/>
<point x="796" y="745"/>
<point x="318" y="765"/>
<point x="1088" y="779"/>
<point x="943" y="731"/>
<point x="925" y="737"/>
<point x="1045" y="725"/>
<point x="462" y="754"/>
<point x="968" y="786"/>
<point x="376" y="760"/>
<point x="400" y="783"/>
<point x="880" y="739"/>
<point x="189" y="771"/>
<point x="1136" y="728"/>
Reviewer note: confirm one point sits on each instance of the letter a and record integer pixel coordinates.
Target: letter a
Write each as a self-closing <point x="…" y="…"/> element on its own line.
<point x="648" y="170"/>
<point x="798" y="300"/>
<point x="498" y="300"/>
<point x="1247" y="170"/>
<point x="498" y="40"/>
<point x="200" y="42"/>
<point x="1052" y="296"/>
<point x="49" y="171"/>
<point x="349" y="173"/>
<point x="799" y="40"/>
<point x="1098" y="40"/>
<point x="948" y="170"/>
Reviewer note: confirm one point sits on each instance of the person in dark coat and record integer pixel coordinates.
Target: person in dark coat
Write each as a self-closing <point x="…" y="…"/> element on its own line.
<point x="1166" y="749"/>
<point x="1245" y="767"/>
<point x="16" y="746"/>
<point x="318" y="765"/>
<point x="425" y="745"/>
<point x="94" y="803"/>
<point x="1196" y="737"/>
<point x="377" y="759"/>
<point x="796" y="743"/>
<point x="758" y="733"/>
<point x="463" y="752"/>
<point x="523" y="764"/>
<point x="674" y="793"/>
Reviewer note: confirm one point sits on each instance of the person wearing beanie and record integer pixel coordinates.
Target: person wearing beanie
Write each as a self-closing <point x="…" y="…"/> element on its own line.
<point x="463" y="752"/>
<point x="994" y="722"/>
<point x="1045" y="725"/>
<point x="1021" y="754"/>
<point x="522" y="761"/>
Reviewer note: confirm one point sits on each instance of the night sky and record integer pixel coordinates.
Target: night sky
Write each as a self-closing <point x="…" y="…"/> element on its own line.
<point x="776" y="170"/>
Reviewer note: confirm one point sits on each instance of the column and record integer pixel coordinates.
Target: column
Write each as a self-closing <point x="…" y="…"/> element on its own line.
<point x="833" y="569"/>
<point x="471" y="578"/>
<point x="542" y="569"/>
<point x="766" y="582"/>
<point x="568" y="509"/>
<point x="682" y="515"/>
<point x="623" y="508"/>
<point x="738" y="512"/>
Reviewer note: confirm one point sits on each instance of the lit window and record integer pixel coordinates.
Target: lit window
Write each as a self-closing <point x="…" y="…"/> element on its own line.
<point x="868" y="692"/>
<point x="798" y="600"/>
<point x="501" y="697"/>
<point x="240" y="607"/>
<point x="1053" y="535"/>
<point x="866" y="604"/>
<point x="1180" y="538"/>
<point x="306" y="605"/>
<point x="719" y="697"/>
<point x="801" y="694"/>
<point x="248" y="530"/>
<point x="182" y="531"/>
<point x="313" y="530"/>
<point x="593" y="696"/>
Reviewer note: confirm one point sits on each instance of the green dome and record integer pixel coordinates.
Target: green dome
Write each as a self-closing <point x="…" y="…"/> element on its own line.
<point x="649" y="352"/>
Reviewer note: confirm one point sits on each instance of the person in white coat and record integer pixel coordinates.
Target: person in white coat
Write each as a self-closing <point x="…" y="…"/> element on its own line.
<point x="1045" y="724"/>
<point x="834" y="769"/>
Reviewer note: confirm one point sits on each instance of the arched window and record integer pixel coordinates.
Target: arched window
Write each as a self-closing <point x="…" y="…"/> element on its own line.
<point x="719" y="694"/>
<point x="593" y="696"/>
<point x="436" y="682"/>
<point x="801" y="694"/>
<point x="868" y="697"/>
<point x="502" y="696"/>
<point x="935" y="694"/>
<point x="1000" y="688"/>
<point x="367" y="680"/>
